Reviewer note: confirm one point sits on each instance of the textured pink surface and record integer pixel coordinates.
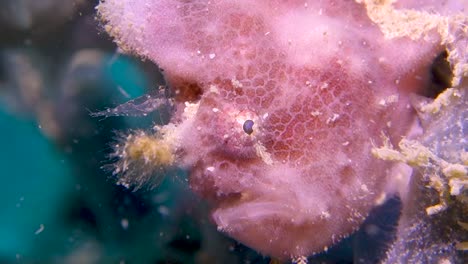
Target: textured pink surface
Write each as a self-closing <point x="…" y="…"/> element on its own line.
<point x="319" y="81"/>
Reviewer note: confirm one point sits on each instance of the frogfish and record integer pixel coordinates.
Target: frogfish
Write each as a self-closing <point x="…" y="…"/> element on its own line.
<point x="296" y="118"/>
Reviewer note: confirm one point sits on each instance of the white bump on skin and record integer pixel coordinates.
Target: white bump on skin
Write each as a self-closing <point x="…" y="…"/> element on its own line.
<point x="333" y="118"/>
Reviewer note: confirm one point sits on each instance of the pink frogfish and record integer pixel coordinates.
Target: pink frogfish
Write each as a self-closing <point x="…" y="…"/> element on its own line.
<point x="280" y="104"/>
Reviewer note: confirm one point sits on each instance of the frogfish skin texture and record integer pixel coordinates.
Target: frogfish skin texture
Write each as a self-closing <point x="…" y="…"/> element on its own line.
<point x="321" y="84"/>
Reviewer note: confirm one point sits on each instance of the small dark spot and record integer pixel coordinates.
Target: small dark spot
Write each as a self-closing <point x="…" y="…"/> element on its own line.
<point x="441" y="76"/>
<point x="83" y="216"/>
<point x="378" y="232"/>
<point x="346" y="175"/>
<point x="188" y="246"/>
<point x="248" y="126"/>
<point x="188" y="91"/>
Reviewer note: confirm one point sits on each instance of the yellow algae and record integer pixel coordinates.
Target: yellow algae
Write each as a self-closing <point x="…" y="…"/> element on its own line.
<point x="444" y="177"/>
<point x="152" y="150"/>
<point x="411" y="152"/>
<point x="443" y="100"/>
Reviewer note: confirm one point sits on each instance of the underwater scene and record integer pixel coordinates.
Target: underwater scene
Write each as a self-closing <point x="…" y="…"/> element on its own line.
<point x="249" y="131"/>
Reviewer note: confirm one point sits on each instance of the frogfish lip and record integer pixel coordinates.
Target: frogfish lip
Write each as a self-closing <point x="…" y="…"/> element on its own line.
<point x="267" y="226"/>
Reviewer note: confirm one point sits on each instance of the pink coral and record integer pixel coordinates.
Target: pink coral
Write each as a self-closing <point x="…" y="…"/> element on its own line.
<point x="320" y="83"/>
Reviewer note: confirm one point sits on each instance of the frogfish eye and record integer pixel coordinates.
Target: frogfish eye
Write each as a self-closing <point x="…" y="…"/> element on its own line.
<point x="248" y="126"/>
